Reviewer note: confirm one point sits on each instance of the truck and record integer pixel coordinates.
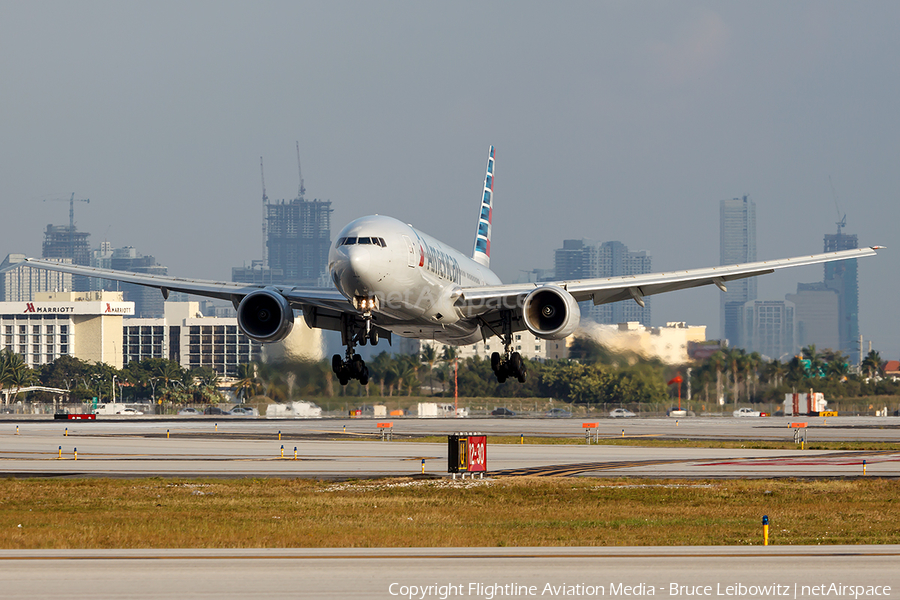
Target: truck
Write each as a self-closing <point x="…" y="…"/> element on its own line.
<point x="804" y="404"/>
<point x="433" y="410"/>
<point x="295" y="410"/>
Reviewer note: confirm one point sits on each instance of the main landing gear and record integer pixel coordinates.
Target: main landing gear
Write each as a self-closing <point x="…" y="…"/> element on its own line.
<point x="352" y="333"/>
<point x="510" y="364"/>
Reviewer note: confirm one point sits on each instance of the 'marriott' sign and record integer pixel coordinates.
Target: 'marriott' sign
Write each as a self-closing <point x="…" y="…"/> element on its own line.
<point x="67" y="308"/>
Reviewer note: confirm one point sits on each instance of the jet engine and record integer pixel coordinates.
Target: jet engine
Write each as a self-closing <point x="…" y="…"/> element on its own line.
<point x="265" y="316"/>
<point x="551" y="312"/>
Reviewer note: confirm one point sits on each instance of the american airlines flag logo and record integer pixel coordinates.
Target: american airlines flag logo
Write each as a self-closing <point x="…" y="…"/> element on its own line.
<point x="482" y="252"/>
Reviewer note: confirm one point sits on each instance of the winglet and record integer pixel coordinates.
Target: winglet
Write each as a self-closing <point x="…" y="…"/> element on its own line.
<point x="482" y="251"/>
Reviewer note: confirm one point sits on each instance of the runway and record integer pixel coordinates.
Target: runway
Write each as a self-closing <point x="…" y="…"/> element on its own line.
<point x="432" y="573"/>
<point x="352" y="448"/>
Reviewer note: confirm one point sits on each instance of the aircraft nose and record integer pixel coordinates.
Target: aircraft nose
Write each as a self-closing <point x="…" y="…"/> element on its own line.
<point x="359" y="260"/>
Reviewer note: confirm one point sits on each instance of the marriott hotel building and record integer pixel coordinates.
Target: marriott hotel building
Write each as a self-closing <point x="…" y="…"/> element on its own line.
<point x="87" y="325"/>
<point x="98" y="326"/>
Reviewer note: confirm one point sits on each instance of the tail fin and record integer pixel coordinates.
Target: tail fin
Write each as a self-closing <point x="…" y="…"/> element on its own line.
<point x="482" y="252"/>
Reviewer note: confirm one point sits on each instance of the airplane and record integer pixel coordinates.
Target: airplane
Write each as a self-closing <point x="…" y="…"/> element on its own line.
<point x="390" y="278"/>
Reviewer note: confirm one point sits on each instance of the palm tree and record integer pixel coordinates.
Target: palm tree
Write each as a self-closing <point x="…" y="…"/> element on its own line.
<point x="450" y="357"/>
<point x="19" y="374"/>
<point x="838" y="370"/>
<point x="379" y="368"/>
<point x="816" y="365"/>
<point x="406" y="374"/>
<point x="717" y="361"/>
<point x="775" y="372"/>
<point x="246" y="375"/>
<point x="735" y="361"/>
<point x="429" y="357"/>
<point x="871" y="364"/>
<point x="751" y="368"/>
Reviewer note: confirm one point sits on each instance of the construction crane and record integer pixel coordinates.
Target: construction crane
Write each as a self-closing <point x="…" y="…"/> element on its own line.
<point x="265" y="199"/>
<point x="302" y="189"/>
<point x="72" y="200"/>
<point x="843" y="220"/>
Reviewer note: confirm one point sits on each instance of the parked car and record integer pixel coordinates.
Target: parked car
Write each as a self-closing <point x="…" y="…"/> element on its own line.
<point x="559" y="413"/>
<point x="214" y="410"/>
<point x="502" y="412"/>
<point x="189" y="411"/>
<point x="130" y="411"/>
<point x="621" y="412"/>
<point x="243" y="411"/>
<point x="747" y="412"/>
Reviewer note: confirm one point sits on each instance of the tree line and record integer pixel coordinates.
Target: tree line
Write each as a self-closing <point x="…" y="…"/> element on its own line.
<point x="592" y="375"/>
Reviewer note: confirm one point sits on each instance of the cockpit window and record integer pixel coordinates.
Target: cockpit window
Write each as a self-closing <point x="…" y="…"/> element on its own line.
<point x="352" y="241"/>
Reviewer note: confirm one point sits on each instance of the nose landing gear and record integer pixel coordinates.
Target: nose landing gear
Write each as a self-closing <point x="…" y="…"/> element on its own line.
<point x="352" y="333"/>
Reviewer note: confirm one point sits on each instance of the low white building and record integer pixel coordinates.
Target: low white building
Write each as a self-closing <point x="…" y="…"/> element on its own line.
<point x="669" y="344"/>
<point x="86" y="325"/>
<point x="99" y="327"/>
<point x="524" y="342"/>
<point x="193" y="340"/>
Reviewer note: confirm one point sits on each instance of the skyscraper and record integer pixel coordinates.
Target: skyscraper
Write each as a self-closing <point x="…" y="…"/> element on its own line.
<point x="580" y="260"/>
<point x="737" y="244"/>
<point x="770" y="328"/>
<point x="299" y="237"/>
<point x="842" y="277"/>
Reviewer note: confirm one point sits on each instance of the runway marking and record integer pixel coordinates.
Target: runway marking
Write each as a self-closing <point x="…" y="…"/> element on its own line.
<point x="848" y="458"/>
<point x="719" y="553"/>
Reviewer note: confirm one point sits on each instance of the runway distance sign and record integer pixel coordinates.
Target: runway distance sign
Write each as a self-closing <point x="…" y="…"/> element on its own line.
<point x="467" y="453"/>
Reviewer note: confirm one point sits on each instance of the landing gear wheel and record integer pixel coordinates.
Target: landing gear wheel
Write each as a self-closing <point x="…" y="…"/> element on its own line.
<point x="336" y="364"/>
<point x="495" y="362"/>
<point x="515" y="364"/>
<point x="522" y="375"/>
<point x="373" y="337"/>
<point x="357" y="365"/>
<point x="364" y="377"/>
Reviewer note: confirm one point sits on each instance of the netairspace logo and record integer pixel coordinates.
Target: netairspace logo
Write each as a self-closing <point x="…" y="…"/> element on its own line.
<point x="490" y="591"/>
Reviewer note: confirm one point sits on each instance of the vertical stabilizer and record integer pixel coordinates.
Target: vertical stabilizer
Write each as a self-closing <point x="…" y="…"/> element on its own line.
<point x="482" y="252"/>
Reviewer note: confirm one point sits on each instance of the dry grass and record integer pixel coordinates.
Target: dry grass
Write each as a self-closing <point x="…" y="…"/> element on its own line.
<point x="161" y="513"/>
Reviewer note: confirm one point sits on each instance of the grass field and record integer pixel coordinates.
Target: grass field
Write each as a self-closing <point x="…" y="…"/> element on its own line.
<point x="170" y="513"/>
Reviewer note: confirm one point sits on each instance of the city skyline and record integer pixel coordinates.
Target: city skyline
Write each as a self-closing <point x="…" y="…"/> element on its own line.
<point x="625" y="122"/>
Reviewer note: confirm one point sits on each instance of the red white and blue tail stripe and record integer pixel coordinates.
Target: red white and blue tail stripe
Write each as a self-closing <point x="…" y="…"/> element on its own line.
<point x="482" y="252"/>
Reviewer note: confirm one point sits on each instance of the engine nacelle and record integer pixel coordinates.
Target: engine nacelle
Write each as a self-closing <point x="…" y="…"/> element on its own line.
<point x="551" y="312"/>
<point x="265" y="316"/>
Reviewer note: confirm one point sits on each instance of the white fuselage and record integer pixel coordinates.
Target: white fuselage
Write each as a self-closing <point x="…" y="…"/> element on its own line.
<point x="414" y="278"/>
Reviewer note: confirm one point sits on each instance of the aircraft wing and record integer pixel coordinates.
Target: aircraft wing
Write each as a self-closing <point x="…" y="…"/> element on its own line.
<point x="299" y="298"/>
<point x="483" y="300"/>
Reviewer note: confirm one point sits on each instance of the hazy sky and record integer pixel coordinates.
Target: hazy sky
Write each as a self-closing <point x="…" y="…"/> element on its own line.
<point x="623" y="121"/>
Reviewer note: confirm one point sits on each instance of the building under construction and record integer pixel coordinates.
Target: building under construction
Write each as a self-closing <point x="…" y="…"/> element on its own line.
<point x="298" y="240"/>
<point x="61" y="241"/>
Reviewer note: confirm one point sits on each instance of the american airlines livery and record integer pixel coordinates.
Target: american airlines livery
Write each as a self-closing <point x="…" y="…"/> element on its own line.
<point x="391" y="278"/>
